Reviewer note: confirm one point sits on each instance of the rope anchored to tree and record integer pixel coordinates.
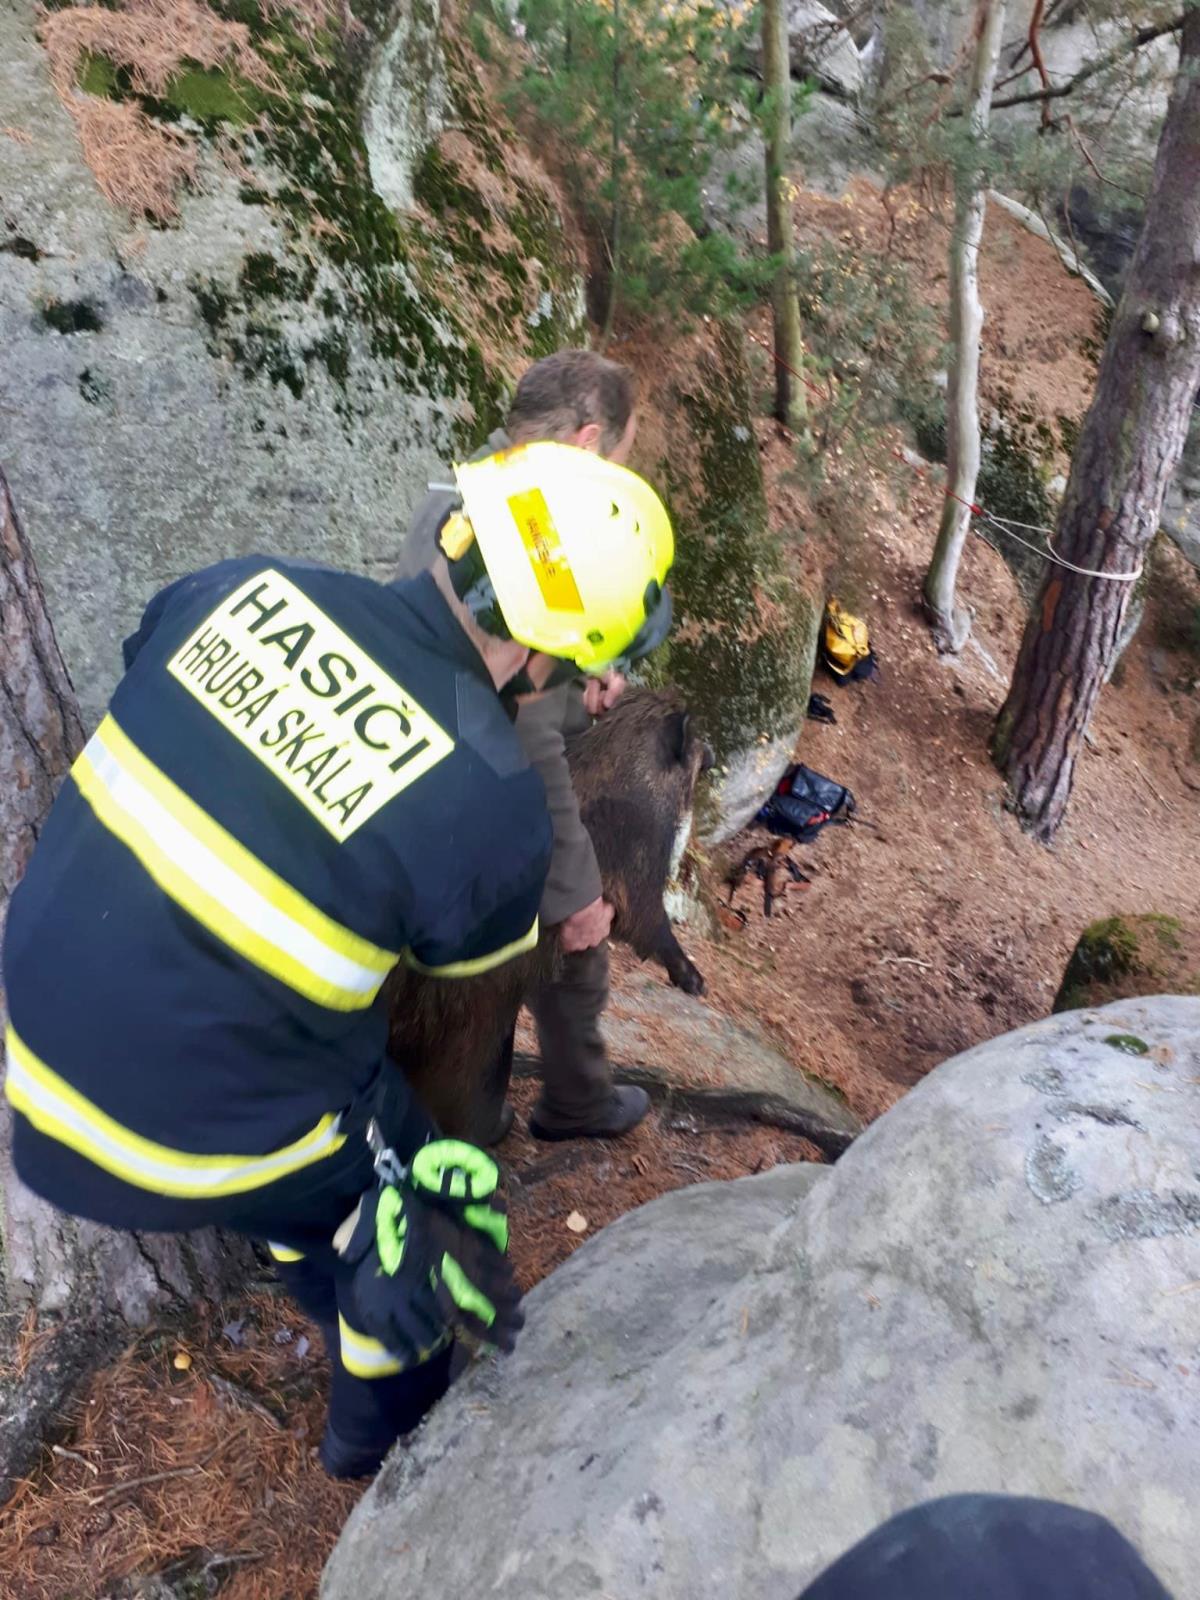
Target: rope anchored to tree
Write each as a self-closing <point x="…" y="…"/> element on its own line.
<point x="1006" y="524"/>
<point x="1046" y="550"/>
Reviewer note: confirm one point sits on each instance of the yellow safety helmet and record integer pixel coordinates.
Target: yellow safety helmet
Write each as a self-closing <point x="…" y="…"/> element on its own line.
<point x="571" y="550"/>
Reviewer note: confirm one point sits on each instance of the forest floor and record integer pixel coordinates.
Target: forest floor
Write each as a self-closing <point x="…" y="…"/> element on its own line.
<point x="946" y="927"/>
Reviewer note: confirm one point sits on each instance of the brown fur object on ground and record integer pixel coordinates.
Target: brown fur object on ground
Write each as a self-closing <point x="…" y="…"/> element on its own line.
<point x="635" y="773"/>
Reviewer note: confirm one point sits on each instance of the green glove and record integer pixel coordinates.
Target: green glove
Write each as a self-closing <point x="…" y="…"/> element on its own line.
<point x="431" y="1254"/>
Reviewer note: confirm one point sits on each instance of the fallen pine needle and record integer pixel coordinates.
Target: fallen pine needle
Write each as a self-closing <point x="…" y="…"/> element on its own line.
<point x="73" y="1455"/>
<point x="119" y="1489"/>
<point x="238" y="1396"/>
<point x="1184" y="1288"/>
<point x="1130" y="1380"/>
<point x="905" y="961"/>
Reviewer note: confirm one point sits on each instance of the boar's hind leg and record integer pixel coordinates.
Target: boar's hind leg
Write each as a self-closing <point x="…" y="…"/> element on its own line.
<point x="681" y="970"/>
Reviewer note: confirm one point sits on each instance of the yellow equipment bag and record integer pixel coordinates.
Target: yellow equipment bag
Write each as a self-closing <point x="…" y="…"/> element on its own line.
<point x="845" y="643"/>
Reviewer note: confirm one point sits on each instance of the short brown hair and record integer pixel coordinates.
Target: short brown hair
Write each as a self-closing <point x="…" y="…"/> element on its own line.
<point x="564" y="392"/>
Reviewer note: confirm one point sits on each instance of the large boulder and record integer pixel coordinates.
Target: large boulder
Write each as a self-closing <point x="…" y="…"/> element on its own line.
<point x="820" y="48"/>
<point x="989" y="1291"/>
<point x="1118" y="958"/>
<point x="365" y="256"/>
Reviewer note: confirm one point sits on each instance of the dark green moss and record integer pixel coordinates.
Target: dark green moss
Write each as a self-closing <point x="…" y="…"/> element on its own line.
<point x="94" y="388"/>
<point x="1116" y="949"/>
<point x="72" y="316"/>
<point x="438" y="187"/>
<point x="333" y="352"/>
<point x="263" y="277"/>
<point x="423" y="296"/>
<point x="214" y="95"/>
<point x="97" y="75"/>
<point x="745" y="674"/>
<point x="211" y="96"/>
<point x="214" y="303"/>
<point x="23" y="248"/>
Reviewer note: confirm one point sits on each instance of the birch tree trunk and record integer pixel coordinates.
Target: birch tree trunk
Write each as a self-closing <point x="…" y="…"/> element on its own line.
<point x="951" y="623"/>
<point x="77" y="1286"/>
<point x="1129" y="447"/>
<point x="791" y="406"/>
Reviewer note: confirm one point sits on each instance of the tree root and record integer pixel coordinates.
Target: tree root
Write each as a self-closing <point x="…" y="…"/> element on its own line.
<point x="737" y="1106"/>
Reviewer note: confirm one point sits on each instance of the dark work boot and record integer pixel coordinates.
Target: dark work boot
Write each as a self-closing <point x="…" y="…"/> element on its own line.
<point x="624" y="1111"/>
<point x="342" y="1459"/>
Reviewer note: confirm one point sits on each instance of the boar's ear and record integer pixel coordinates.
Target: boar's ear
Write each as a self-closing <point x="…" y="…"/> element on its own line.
<point x="679" y="735"/>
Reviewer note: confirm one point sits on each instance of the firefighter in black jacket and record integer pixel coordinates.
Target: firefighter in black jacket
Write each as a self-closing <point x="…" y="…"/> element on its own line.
<point x="305" y="777"/>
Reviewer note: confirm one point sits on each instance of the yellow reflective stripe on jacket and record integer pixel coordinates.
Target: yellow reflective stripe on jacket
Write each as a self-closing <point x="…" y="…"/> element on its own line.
<point x="218" y="881"/>
<point x="364" y="1357"/>
<point x="284" y="1252"/>
<point x="471" y="969"/>
<point x="61" y="1112"/>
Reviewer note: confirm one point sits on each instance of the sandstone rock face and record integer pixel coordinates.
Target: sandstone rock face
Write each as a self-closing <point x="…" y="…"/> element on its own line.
<point x="728" y="1387"/>
<point x="1181" y="509"/>
<point x="286" y="365"/>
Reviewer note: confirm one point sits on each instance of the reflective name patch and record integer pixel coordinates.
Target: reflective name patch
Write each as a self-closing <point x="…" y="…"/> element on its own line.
<point x="546" y="555"/>
<point x="279" y="675"/>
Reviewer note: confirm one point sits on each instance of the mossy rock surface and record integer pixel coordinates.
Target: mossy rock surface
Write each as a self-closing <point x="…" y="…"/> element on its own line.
<point x="1119" y="958"/>
<point x="286" y="364"/>
<point x="746" y="635"/>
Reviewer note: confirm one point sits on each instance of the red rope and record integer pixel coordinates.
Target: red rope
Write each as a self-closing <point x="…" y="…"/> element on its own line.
<point x="821" y="394"/>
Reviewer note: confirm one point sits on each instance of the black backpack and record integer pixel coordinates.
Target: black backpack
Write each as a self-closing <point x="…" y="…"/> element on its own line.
<point x="805" y="802"/>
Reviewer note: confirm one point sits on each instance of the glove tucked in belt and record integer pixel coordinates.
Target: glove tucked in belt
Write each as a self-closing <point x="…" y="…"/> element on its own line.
<point x="430" y="1245"/>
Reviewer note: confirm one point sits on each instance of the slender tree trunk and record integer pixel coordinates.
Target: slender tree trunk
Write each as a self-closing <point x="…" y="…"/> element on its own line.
<point x="78" y="1286"/>
<point x="615" y="165"/>
<point x="952" y="623"/>
<point x="1129" y="447"/>
<point x="791" y="406"/>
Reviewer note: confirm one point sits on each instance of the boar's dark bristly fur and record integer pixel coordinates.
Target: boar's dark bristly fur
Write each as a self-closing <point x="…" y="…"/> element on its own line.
<point x="635" y="773"/>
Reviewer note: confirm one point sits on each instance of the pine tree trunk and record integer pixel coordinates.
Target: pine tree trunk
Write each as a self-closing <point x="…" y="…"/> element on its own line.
<point x="791" y="405"/>
<point x="1129" y="447"/>
<point x="616" y="173"/>
<point x="77" y="1286"/>
<point x="952" y="623"/>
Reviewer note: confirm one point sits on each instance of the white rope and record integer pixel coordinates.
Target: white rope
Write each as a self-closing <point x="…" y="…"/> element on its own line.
<point x="1049" y="553"/>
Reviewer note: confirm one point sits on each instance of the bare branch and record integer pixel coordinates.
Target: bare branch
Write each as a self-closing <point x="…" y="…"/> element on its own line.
<point x="1035" y="52"/>
<point x="1138" y="41"/>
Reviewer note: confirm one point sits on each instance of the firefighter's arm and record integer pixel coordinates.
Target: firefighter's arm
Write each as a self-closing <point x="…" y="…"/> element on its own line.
<point x="193" y="583"/>
<point x="151" y="617"/>
<point x="490" y="923"/>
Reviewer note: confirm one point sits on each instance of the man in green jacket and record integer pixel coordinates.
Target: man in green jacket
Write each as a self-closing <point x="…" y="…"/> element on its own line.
<point x="579" y="398"/>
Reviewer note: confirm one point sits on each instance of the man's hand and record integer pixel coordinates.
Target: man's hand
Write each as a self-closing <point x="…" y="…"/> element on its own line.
<point x="587" y="927"/>
<point x="601" y="694"/>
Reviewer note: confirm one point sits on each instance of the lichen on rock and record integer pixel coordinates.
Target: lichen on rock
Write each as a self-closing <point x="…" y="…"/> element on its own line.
<point x="286" y="357"/>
